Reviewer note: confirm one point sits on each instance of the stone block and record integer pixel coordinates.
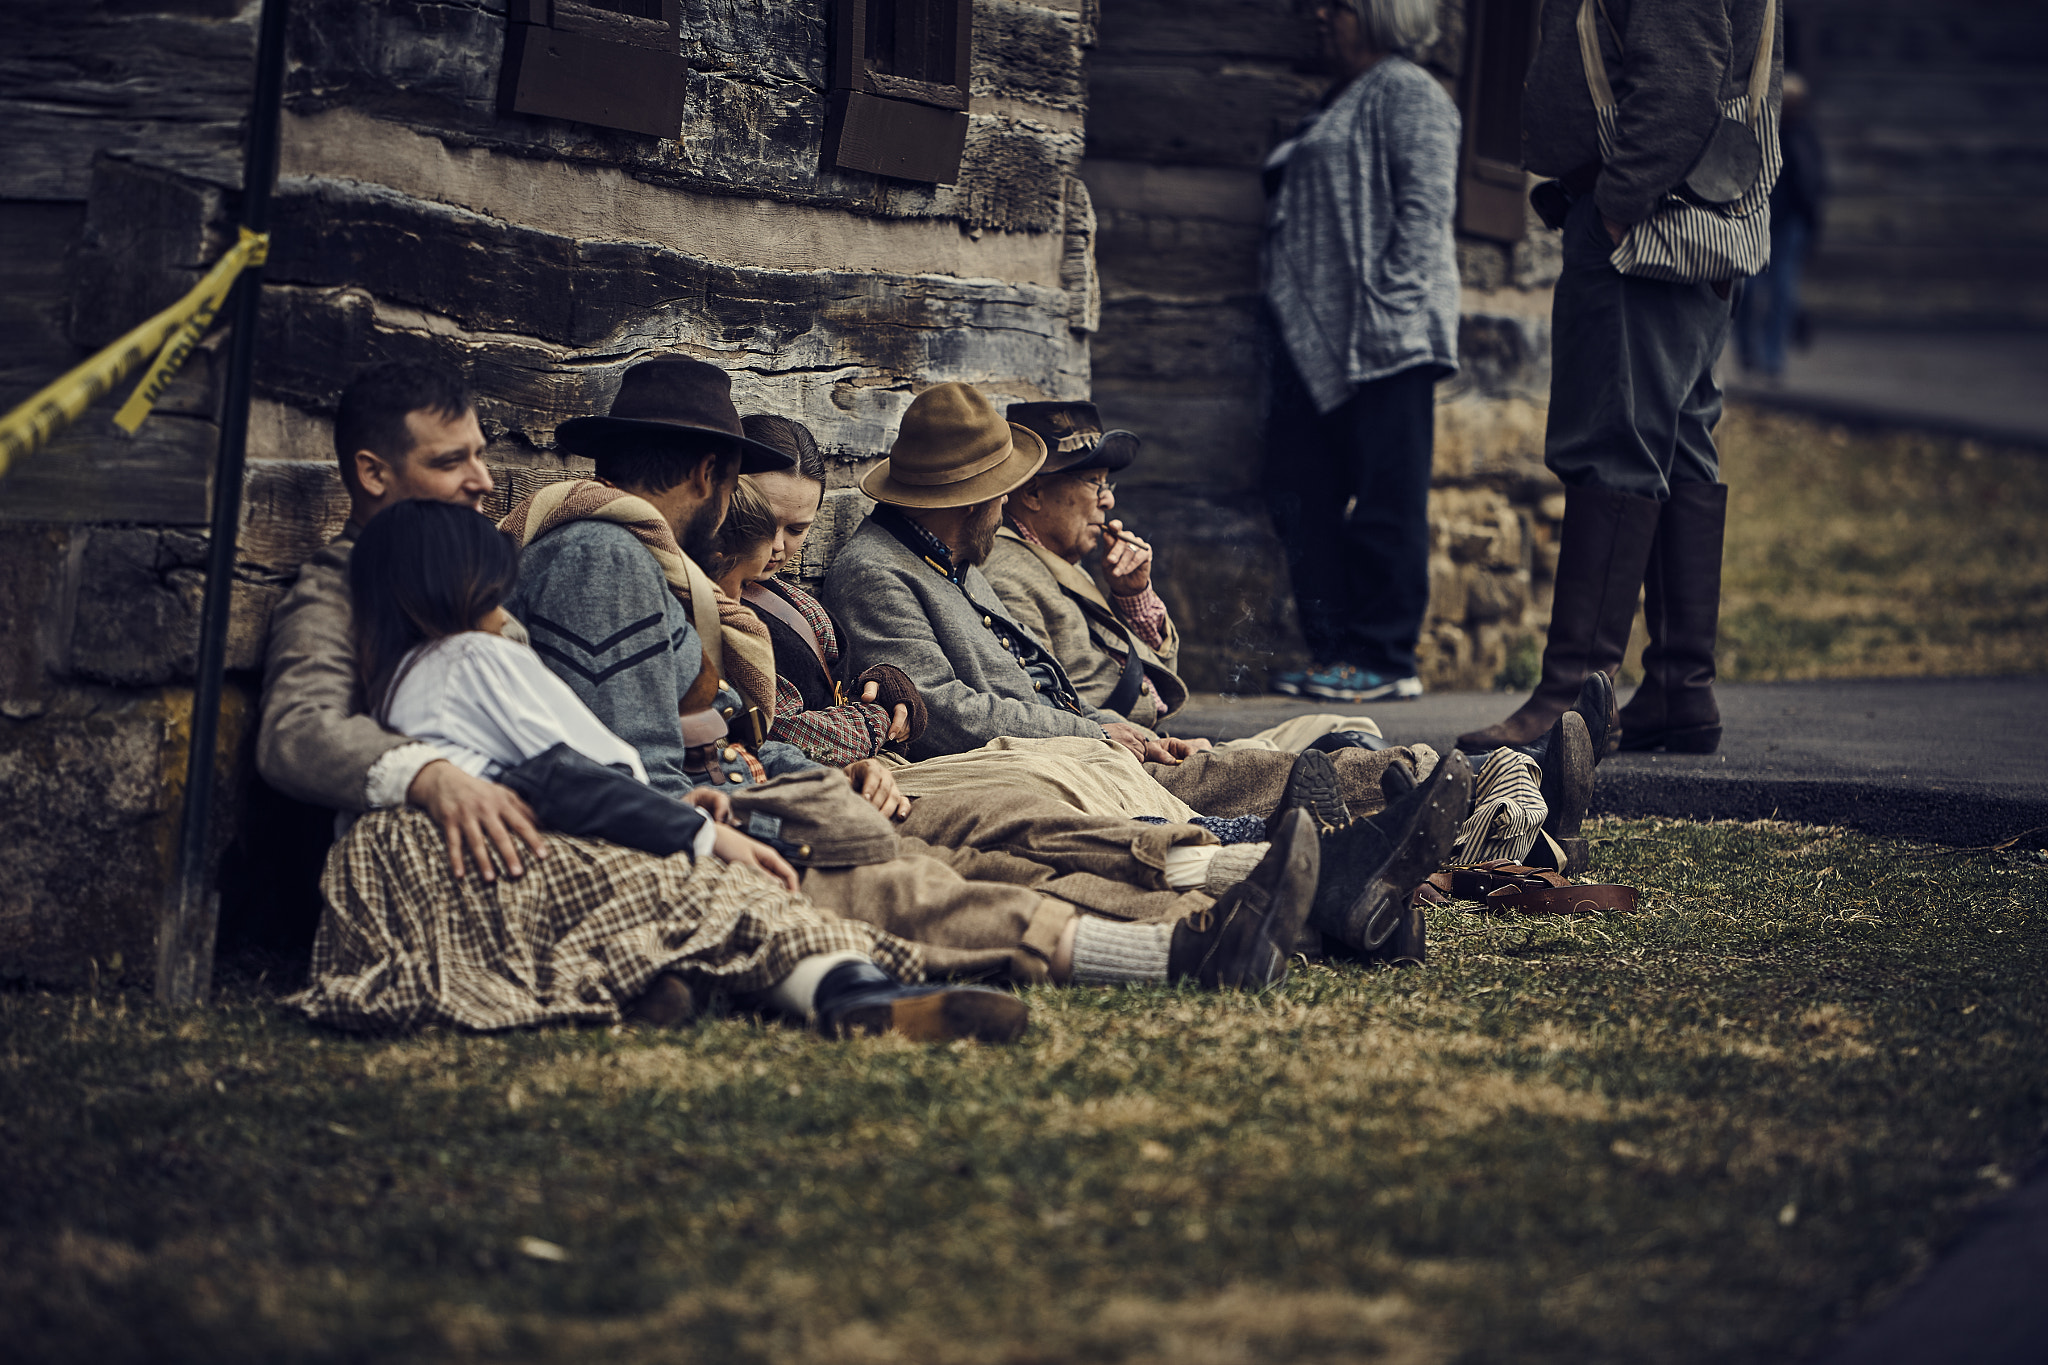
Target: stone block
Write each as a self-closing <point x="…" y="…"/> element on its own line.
<point x="90" y="794"/>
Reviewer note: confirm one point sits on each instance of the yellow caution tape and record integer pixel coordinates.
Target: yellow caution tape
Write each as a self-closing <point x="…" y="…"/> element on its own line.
<point x="171" y="334"/>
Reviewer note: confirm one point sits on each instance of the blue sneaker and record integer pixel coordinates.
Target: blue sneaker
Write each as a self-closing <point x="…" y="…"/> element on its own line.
<point x="1289" y="683"/>
<point x="1348" y="682"/>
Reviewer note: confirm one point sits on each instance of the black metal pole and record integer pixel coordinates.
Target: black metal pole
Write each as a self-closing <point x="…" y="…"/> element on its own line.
<point x="185" y="932"/>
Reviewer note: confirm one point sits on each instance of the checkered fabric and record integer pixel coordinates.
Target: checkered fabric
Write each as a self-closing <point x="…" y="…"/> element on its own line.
<point x="403" y="944"/>
<point x="1508" y="810"/>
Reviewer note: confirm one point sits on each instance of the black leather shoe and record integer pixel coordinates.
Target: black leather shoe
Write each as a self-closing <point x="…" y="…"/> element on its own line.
<point x="859" y="997"/>
<point x="1371" y="865"/>
<point x="1311" y="786"/>
<point x="1243" y="941"/>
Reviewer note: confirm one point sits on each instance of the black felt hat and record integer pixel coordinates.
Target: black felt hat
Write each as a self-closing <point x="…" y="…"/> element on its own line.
<point x="1074" y="438"/>
<point x="675" y="397"/>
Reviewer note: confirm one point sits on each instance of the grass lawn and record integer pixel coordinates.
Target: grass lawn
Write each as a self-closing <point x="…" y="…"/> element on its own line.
<point x="1863" y="553"/>
<point x="1718" y="1130"/>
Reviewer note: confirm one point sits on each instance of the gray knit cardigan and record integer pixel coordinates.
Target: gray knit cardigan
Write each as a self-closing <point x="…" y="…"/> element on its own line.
<point x="1361" y="271"/>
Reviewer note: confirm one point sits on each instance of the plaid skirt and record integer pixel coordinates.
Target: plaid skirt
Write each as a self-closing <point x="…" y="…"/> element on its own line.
<point x="403" y="943"/>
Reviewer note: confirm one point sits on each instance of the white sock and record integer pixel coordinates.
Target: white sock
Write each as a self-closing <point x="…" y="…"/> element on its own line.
<point x="1187" y="865"/>
<point x="797" y="993"/>
<point x="1231" y="865"/>
<point x="1109" y="952"/>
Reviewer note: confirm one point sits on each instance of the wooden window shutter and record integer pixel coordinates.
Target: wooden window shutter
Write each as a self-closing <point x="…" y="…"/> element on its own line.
<point x="1492" y="187"/>
<point x="614" y="63"/>
<point x="898" y="104"/>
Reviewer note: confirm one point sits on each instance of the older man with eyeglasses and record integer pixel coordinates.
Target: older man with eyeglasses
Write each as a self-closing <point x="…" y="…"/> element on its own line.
<point x="1109" y="629"/>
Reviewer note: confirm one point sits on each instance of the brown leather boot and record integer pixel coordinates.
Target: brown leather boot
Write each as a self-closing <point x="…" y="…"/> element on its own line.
<point x="1603" y="552"/>
<point x="1674" y="709"/>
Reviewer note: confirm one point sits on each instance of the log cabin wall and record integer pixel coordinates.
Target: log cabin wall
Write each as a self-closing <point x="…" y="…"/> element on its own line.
<point x="1186" y="98"/>
<point x="414" y="218"/>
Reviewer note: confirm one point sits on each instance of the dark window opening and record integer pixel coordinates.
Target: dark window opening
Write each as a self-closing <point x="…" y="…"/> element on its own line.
<point x="613" y="63"/>
<point x="899" y="87"/>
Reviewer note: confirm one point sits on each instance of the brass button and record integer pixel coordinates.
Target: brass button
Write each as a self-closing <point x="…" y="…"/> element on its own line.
<point x="730" y="754"/>
<point x="735" y="777"/>
<point x="988" y="620"/>
<point x="803" y="850"/>
<point x="1039" y="686"/>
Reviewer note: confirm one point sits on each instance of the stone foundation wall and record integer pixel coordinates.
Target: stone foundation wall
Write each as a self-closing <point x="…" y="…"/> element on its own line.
<point x="1186" y="99"/>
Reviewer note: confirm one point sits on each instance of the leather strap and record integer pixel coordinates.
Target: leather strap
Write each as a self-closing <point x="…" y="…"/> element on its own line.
<point x="1563" y="900"/>
<point x="1129" y="685"/>
<point x="761" y="597"/>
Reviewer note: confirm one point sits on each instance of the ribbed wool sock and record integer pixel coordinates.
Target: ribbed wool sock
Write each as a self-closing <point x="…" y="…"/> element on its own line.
<point x="1111" y="953"/>
<point x="1232" y="865"/>
<point x="797" y="993"/>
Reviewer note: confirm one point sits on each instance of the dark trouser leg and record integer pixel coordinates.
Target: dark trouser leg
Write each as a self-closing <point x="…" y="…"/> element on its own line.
<point x="1305" y="480"/>
<point x="1388" y="428"/>
<point x="1628" y="416"/>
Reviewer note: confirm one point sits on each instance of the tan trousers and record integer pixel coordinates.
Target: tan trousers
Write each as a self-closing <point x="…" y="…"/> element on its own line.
<point x="988" y="880"/>
<point x="1249" y="781"/>
<point x="1243" y="777"/>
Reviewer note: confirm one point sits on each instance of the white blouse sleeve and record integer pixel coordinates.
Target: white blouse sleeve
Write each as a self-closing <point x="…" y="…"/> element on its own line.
<point x="514" y="709"/>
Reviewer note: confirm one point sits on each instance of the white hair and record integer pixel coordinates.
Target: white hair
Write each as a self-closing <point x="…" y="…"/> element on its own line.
<point x="1403" y="26"/>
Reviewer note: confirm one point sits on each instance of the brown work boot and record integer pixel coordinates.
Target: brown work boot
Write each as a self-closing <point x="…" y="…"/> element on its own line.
<point x="1674" y="709"/>
<point x="1242" y="942"/>
<point x="1603" y="553"/>
<point x="1371" y="867"/>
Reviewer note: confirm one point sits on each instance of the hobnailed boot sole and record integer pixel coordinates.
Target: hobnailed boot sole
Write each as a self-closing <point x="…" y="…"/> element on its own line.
<point x="1313" y="786"/>
<point x="1419" y="849"/>
<point x="940" y="1016"/>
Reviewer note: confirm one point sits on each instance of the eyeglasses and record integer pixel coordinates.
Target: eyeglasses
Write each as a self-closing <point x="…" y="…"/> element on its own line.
<point x="1102" y="488"/>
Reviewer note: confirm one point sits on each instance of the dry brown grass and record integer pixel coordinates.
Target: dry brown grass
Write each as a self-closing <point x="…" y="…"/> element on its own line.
<point x="1718" y="1130"/>
<point x="1870" y="553"/>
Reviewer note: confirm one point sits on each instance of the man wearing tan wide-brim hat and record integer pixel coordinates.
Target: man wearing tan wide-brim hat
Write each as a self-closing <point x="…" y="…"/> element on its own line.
<point x="909" y="592"/>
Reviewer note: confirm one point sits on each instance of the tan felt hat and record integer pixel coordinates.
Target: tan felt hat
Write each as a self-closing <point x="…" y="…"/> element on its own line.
<point x="954" y="450"/>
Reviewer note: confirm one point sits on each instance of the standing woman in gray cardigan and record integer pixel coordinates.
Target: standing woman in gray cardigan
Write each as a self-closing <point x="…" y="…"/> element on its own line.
<point x="1361" y="282"/>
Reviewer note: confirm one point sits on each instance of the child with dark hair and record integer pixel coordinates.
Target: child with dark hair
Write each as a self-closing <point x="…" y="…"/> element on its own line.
<point x="429" y="581"/>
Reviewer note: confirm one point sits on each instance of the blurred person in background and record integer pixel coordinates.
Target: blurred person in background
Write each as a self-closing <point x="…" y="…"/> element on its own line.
<point x="1361" y="283"/>
<point x="1767" y="318"/>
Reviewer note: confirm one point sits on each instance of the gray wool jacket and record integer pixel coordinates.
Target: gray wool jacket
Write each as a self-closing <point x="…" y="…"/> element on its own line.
<point x="897" y="609"/>
<point x="599" y="611"/>
<point x="1361" y="270"/>
<point x="1677" y="61"/>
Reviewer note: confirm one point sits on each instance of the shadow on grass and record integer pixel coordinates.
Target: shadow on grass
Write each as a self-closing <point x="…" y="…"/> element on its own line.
<point x="1718" y="1130"/>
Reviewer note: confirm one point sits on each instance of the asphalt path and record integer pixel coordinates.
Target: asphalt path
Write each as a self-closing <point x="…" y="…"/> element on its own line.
<point x="1959" y="761"/>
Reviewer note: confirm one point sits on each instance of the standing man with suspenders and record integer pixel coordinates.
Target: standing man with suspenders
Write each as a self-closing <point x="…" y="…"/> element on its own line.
<point x="1659" y="121"/>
